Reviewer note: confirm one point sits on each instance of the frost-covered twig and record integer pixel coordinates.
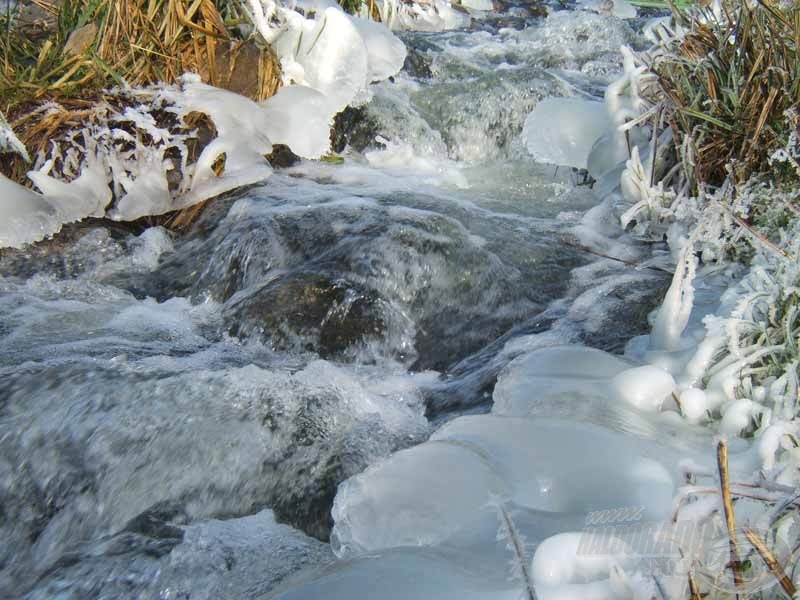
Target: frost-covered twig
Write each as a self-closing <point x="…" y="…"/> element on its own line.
<point x="516" y="544"/>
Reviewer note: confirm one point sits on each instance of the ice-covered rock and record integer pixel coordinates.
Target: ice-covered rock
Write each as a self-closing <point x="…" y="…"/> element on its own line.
<point x="427" y="494"/>
<point x="300" y="117"/>
<point x="562" y="131"/>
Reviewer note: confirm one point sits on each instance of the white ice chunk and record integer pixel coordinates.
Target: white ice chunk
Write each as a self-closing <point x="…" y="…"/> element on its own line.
<point x="25" y="216"/>
<point x="693" y="404"/>
<point x="738" y="416"/>
<point x="385" y="52"/>
<point x="673" y="315"/>
<point x="241" y="126"/>
<point x="300" y="117"/>
<point x="565" y="558"/>
<point x="146" y="193"/>
<point x="644" y="387"/>
<point x="485" y="5"/>
<point x="9" y="142"/>
<point x="86" y="196"/>
<point x="562" y="131"/>
<point x="331" y="53"/>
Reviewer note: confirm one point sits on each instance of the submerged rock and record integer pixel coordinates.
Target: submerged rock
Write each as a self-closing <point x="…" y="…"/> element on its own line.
<point x="354" y="128"/>
<point x="308" y="310"/>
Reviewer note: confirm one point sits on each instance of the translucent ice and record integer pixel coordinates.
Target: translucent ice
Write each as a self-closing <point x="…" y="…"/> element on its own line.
<point x="385" y="52"/>
<point x="408" y="501"/>
<point x="644" y="387"/>
<point x="402" y="574"/>
<point x="25" y="216"/>
<point x="426" y="494"/>
<point x="562" y="131"/>
<point x="558" y="560"/>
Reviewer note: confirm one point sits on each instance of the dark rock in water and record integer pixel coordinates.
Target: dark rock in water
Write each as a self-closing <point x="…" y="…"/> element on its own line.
<point x="630" y="305"/>
<point x="356" y="128"/>
<point x="76" y="249"/>
<point x="282" y="157"/>
<point x="158" y="522"/>
<point x="418" y="64"/>
<point x="310" y="311"/>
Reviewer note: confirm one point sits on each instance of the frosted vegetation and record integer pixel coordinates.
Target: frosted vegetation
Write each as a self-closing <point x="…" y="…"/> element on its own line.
<point x="426" y="356"/>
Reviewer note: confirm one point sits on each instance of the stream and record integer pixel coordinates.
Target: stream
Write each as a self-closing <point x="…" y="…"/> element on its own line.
<point x="177" y="411"/>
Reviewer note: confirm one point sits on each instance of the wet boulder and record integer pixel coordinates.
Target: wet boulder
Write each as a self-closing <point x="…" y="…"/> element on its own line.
<point x="307" y="312"/>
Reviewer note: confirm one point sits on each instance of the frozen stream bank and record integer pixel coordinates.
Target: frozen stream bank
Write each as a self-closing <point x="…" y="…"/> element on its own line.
<point x="316" y="391"/>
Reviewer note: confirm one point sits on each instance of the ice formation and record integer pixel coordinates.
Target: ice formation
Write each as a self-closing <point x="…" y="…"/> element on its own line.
<point x="337" y="54"/>
<point x="9" y="142"/>
<point x="329" y="61"/>
<point x="27" y="216"/>
<point x="424" y="15"/>
<point x="512" y="457"/>
<point x="562" y="131"/>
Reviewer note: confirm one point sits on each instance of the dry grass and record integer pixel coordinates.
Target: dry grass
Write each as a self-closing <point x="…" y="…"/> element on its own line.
<point x="729" y="83"/>
<point x="135" y="42"/>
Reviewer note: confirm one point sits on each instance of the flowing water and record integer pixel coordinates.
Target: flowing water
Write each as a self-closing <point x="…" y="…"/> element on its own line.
<point x="176" y="411"/>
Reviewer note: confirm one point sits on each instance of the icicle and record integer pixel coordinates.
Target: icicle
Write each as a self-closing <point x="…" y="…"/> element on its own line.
<point x="673" y="316"/>
<point x="9" y="142"/>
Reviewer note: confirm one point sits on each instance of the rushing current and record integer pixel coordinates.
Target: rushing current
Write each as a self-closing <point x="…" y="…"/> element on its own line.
<point x="178" y="409"/>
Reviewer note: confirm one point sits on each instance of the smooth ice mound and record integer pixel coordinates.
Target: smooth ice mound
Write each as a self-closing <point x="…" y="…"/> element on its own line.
<point x="562" y="131"/>
<point x="425" y="495"/>
<point x="575" y="378"/>
<point x="403" y="574"/>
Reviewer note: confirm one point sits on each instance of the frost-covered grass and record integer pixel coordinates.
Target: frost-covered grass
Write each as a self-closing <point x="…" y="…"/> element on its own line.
<point x="722" y="86"/>
<point x="725" y="84"/>
<point x="94" y="44"/>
